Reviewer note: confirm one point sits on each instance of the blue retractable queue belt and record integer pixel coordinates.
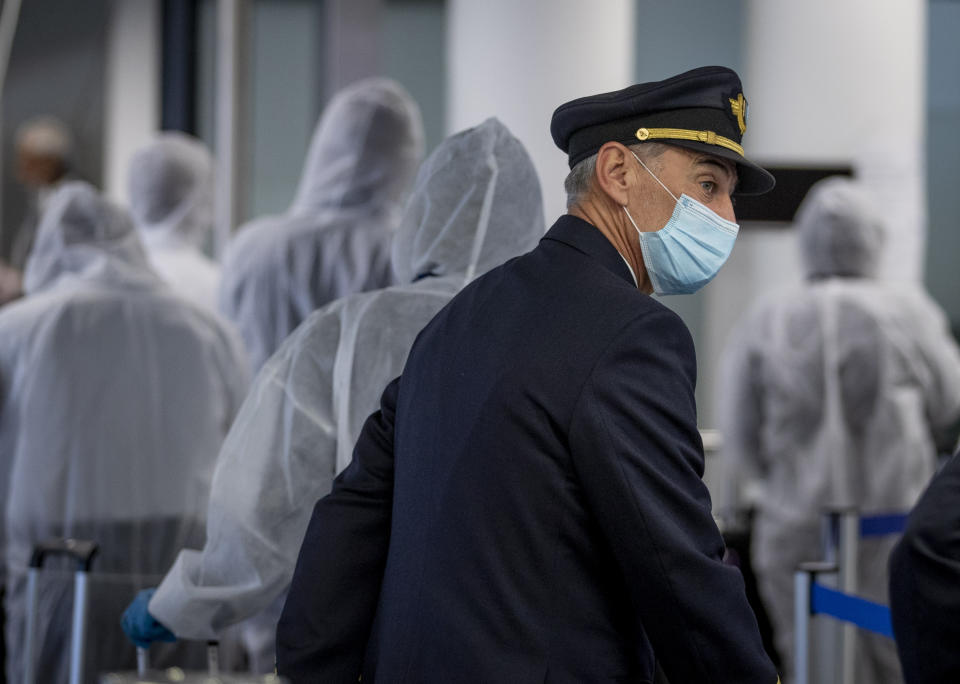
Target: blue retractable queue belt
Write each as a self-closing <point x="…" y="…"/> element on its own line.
<point x="865" y="614"/>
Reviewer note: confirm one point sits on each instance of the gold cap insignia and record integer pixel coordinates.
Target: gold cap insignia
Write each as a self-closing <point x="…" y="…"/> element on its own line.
<point x="739" y="109"/>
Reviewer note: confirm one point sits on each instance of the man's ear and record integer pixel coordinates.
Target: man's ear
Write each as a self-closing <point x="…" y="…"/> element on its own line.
<point x="612" y="172"/>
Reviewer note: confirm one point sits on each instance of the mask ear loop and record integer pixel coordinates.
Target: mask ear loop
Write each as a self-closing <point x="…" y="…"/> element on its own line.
<point x="639" y="232"/>
<point x="654" y="176"/>
<point x="635" y="227"/>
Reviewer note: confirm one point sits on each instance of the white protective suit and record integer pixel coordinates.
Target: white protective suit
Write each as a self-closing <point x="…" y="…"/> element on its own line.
<point x="170" y="188"/>
<point x="335" y="238"/>
<point x="831" y="395"/>
<point x="115" y="396"/>
<point x="476" y="203"/>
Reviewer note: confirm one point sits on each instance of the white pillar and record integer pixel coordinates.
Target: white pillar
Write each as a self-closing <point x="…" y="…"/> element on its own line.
<point x="832" y="81"/>
<point x="231" y="39"/>
<point x="519" y="59"/>
<point x="845" y="81"/>
<point x="829" y="82"/>
<point x="132" y="107"/>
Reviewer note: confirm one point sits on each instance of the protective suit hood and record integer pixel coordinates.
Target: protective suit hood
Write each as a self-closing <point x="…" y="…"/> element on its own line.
<point x="476" y="202"/>
<point x="170" y="185"/>
<point x="335" y="239"/>
<point x="82" y="233"/>
<point x="839" y="230"/>
<point x="364" y="151"/>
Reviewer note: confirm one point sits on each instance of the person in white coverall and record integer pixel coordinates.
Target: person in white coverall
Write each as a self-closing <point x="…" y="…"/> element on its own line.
<point x="334" y="240"/>
<point x="836" y="393"/>
<point x="476" y="202"/>
<point x="170" y="189"/>
<point x="116" y="395"/>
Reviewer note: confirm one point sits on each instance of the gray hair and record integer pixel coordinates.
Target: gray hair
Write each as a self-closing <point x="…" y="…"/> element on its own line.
<point x="580" y="179"/>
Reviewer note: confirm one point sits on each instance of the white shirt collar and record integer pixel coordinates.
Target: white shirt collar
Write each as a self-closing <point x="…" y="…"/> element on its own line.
<point x="632" y="274"/>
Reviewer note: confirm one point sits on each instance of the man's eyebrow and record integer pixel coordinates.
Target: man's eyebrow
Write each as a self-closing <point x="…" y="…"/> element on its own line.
<point x="730" y="170"/>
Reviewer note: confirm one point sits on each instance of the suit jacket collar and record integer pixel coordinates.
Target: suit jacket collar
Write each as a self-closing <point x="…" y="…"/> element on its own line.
<point x="586" y="238"/>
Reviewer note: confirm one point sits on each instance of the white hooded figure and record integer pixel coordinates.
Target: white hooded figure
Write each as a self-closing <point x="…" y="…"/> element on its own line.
<point x="835" y="394"/>
<point x="334" y="240"/>
<point x="170" y="188"/>
<point x="116" y="396"/>
<point x="476" y="203"/>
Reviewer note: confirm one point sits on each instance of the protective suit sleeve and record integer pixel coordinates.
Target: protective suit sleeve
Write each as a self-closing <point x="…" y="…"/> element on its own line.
<point x="925" y="583"/>
<point x="739" y="409"/>
<point x="942" y="377"/>
<point x="639" y="459"/>
<point x="277" y="459"/>
<point x="326" y="621"/>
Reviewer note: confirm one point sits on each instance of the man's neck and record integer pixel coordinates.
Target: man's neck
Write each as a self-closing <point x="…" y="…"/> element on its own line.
<point x="620" y="233"/>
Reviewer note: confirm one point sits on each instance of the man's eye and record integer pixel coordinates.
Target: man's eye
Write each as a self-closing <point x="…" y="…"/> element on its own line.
<point x="708" y="186"/>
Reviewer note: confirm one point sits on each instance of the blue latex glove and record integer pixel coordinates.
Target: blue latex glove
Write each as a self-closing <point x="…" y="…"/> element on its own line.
<point x="140" y="626"/>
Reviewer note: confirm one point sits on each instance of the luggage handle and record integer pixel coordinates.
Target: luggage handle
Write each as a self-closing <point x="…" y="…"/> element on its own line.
<point x="82" y="552"/>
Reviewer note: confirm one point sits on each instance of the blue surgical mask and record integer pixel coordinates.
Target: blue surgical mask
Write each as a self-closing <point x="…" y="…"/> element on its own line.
<point x="689" y="250"/>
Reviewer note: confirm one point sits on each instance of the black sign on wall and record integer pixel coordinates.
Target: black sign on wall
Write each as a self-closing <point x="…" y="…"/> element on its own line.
<point x="780" y="204"/>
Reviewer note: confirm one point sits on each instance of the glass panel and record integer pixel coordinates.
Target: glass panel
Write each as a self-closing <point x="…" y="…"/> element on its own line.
<point x="413" y="51"/>
<point x="284" y="95"/>
<point x="943" y="157"/>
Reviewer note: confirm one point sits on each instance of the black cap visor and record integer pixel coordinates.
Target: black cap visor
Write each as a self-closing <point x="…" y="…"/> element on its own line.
<point x="752" y="179"/>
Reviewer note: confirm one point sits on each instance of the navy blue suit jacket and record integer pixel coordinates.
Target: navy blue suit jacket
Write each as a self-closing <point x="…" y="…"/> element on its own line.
<point x="528" y="506"/>
<point x="925" y="584"/>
